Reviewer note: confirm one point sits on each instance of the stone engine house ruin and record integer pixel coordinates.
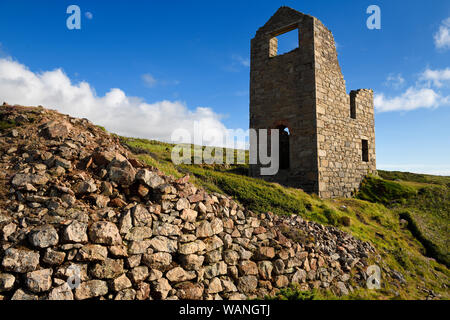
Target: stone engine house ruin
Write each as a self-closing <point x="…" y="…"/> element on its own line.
<point x="327" y="137"/>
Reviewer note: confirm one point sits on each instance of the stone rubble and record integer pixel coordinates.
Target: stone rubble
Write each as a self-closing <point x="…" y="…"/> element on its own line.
<point x="80" y="218"/>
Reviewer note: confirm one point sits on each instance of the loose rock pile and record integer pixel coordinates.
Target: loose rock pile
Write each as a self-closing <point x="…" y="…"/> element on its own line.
<point x="80" y="218"/>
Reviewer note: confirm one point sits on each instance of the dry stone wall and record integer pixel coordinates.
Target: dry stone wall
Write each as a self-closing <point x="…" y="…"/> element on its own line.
<point x="81" y="218"/>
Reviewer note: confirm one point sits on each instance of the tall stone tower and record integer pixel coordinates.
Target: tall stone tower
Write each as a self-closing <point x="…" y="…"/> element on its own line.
<point x="327" y="137"/>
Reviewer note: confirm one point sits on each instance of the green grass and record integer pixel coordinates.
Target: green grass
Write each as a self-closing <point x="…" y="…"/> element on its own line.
<point x="374" y="215"/>
<point x="102" y="128"/>
<point x="426" y="208"/>
<point x="256" y="195"/>
<point x="293" y="293"/>
<point x="7" y="124"/>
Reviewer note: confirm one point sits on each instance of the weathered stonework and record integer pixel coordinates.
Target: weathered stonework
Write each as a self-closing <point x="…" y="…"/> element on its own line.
<point x="304" y="90"/>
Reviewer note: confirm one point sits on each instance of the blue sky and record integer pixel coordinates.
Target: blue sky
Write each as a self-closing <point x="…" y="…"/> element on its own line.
<point x="190" y="60"/>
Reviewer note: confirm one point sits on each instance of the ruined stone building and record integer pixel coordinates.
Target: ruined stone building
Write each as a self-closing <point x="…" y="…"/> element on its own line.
<point x="327" y="137"/>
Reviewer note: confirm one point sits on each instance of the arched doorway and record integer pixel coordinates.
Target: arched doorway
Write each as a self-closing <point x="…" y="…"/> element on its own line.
<point x="284" y="146"/>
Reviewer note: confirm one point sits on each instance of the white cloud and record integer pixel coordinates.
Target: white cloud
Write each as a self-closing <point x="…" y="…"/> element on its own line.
<point x="436" y="76"/>
<point x="237" y="63"/>
<point x="422" y="95"/>
<point x="411" y="99"/>
<point x="117" y="112"/>
<point x="149" y="80"/>
<point x="89" y="15"/>
<point x="394" y="80"/>
<point x="442" y="37"/>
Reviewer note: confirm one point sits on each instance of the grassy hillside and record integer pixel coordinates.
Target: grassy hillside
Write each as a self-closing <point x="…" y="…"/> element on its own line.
<point x="405" y="216"/>
<point x="423" y="201"/>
